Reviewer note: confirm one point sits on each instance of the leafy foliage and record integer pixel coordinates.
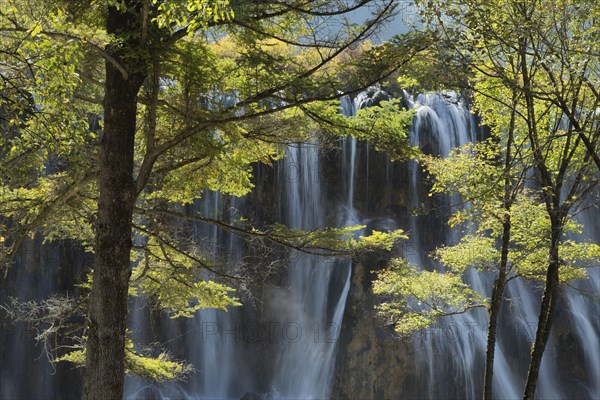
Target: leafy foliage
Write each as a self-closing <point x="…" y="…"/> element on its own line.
<point x="174" y="280"/>
<point x="473" y="172"/>
<point x="160" y="368"/>
<point x="531" y="67"/>
<point x="224" y="85"/>
<point x="415" y="299"/>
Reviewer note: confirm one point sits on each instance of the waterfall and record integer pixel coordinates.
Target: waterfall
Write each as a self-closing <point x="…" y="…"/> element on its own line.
<point x="451" y="355"/>
<point x="211" y="340"/>
<point x="38" y="272"/>
<point x="285" y="343"/>
<point x="302" y="318"/>
<point x="314" y="301"/>
<point x="442" y="122"/>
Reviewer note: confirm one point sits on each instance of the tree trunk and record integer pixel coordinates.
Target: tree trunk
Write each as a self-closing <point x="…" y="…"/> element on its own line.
<point x="105" y="350"/>
<point x="496" y="302"/>
<point x="546" y="311"/>
<point x="500" y="283"/>
<point x="551" y="193"/>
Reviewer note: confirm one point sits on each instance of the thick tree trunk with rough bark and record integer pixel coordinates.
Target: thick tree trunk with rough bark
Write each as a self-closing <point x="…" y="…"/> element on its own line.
<point x="546" y="312"/>
<point x="104" y="373"/>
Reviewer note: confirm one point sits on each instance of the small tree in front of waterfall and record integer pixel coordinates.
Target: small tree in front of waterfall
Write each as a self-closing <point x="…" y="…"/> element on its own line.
<point x="114" y="114"/>
<point x="539" y="60"/>
<point x="532" y="73"/>
<point x="507" y="236"/>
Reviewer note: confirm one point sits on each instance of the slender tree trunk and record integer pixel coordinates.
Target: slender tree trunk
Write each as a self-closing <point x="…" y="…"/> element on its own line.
<point x="546" y="311"/>
<point x="496" y="302"/>
<point x="500" y="283"/>
<point x="105" y="350"/>
<point x="551" y="193"/>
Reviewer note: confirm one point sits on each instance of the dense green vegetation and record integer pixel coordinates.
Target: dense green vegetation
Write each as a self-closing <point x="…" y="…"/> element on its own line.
<point x="116" y="113"/>
<point x="532" y="68"/>
<point x="113" y="114"/>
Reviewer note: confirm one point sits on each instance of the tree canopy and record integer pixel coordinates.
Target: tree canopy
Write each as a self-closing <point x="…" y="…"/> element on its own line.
<point x="116" y="113"/>
<point x="532" y="70"/>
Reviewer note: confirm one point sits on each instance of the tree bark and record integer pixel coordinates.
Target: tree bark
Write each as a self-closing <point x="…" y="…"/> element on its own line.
<point x="551" y="193"/>
<point x="500" y="283"/>
<point x="546" y="311"/>
<point x="105" y="349"/>
<point x="496" y="302"/>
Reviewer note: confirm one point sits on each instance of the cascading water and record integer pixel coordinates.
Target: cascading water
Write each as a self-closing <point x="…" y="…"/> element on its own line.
<point x="450" y="356"/>
<point x="38" y="272"/>
<point x="441" y="123"/>
<point x="284" y="345"/>
<point x="315" y="300"/>
<point x="211" y="341"/>
<point x="303" y="317"/>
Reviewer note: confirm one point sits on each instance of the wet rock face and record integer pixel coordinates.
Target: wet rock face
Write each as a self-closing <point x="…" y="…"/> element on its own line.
<point x="570" y="353"/>
<point x="372" y="362"/>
